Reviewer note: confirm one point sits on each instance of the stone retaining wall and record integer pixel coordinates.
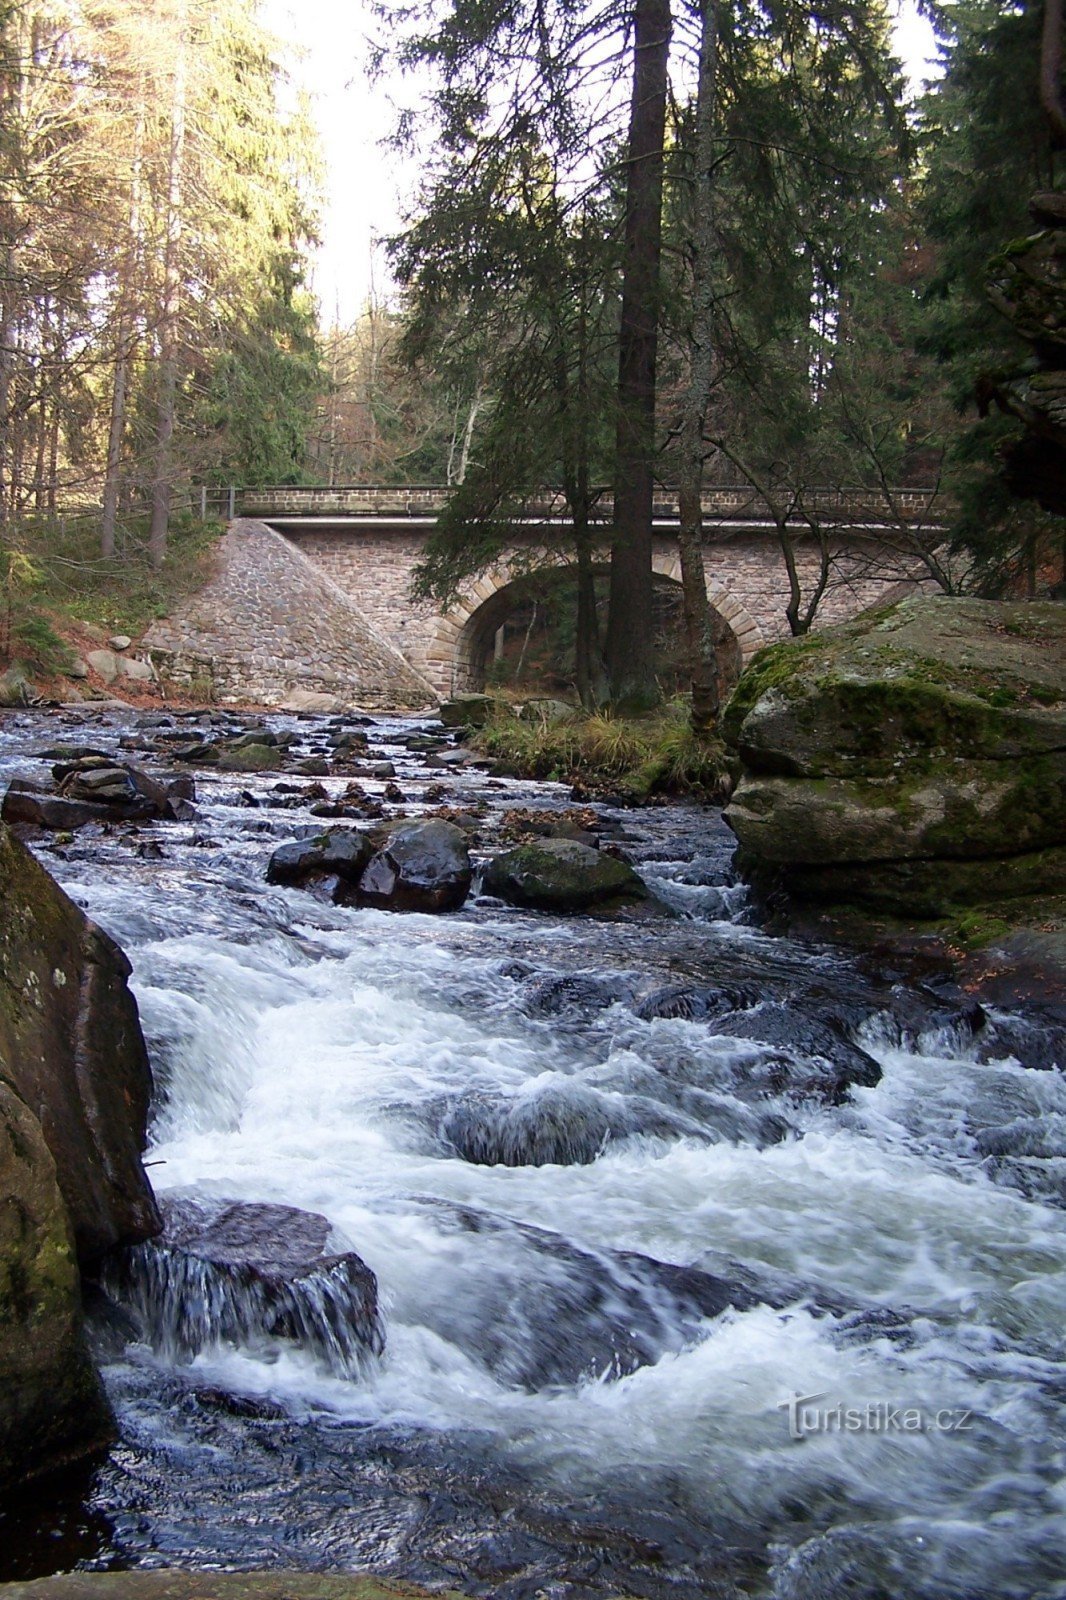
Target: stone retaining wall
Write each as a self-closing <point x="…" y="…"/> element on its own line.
<point x="271" y="623"/>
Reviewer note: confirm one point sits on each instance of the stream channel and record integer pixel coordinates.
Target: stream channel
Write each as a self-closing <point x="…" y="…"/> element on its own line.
<point x="628" y="1189"/>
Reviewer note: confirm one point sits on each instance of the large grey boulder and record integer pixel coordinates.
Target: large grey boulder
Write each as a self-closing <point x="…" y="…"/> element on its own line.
<point x="884" y="760"/>
<point x="423" y="866"/>
<point x="562" y="875"/>
<point x="52" y="1410"/>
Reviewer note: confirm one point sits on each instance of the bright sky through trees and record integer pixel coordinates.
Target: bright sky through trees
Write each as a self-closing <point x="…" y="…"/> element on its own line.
<point x="365" y="184"/>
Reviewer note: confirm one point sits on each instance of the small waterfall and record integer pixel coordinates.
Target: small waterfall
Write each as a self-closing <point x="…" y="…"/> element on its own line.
<point x="248" y="1275"/>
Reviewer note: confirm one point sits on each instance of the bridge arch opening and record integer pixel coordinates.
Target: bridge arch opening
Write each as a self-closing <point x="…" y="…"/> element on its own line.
<point x="518" y="630"/>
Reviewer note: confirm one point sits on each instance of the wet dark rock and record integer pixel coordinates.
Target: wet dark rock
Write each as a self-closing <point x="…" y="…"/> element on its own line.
<point x="572" y="994"/>
<point x="52" y="1410"/>
<point x="451" y="758"/>
<point x="313" y="767"/>
<point x="31" y="806"/>
<point x="822" y="1061"/>
<point x="1031" y="1040"/>
<point x="202" y="753"/>
<point x="566" y="1125"/>
<point x="71" y="753"/>
<point x="243" y="1273"/>
<point x="340" y="856"/>
<point x="561" y="875"/>
<point x="96" y="788"/>
<point x="344" y="744"/>
<point x="546" y="1312"/>
<point x="695" y="1005"/>
<point x="71" y="1048"/>
<point x="424" y="866"/>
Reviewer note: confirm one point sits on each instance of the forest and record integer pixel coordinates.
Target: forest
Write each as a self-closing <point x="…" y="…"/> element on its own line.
<point x="651" y="244"/>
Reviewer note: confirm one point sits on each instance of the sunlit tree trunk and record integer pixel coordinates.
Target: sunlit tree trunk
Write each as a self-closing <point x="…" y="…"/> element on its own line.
<point x="170" y="311"/>
<point x="125" y="341"/>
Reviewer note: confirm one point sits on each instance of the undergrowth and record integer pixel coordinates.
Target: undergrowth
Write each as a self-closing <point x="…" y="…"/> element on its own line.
<point x="638" y="756"/>
<point x="120" y="593"/>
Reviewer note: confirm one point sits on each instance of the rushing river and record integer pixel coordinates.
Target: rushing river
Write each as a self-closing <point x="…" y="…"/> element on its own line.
<point x="560" y="1409"/>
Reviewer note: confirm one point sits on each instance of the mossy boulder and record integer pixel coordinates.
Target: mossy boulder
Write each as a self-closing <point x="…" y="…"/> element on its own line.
<point x="900" y="759"/>
<point x="947" y="809"/>
<point x="52" y="1410"/>
<point x="467" y="710"/>
<point x="929" y="679"/>
<point x="71" y="1048"/>
<point x="251" y="756"/>
<point x="562" y="875"/>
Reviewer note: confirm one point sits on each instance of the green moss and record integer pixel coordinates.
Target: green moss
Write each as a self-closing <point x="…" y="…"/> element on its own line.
<point x="252" y="758"/>
<point x="773" y="667"/>
<point x="976" y="929"/>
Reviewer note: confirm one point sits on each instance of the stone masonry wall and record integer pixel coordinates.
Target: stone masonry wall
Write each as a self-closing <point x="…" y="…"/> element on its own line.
<point x="328" y="610"/>
<point x="746" y="579"/>
<point x="271" y="623"/>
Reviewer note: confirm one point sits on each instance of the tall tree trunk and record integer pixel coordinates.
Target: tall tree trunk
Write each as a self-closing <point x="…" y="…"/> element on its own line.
<point x="55" y="422"/>
<point x="171" y="309"/>
<point x="125" y="339"/>
<point x="589" y="674"/>
<point x="40" y="497"/>
<point x="6" y="368"/>
<point x="630" y="663"/>
<point x="699" y="630"/>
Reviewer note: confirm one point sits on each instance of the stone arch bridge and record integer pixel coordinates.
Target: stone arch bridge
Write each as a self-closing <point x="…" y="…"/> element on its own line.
<point x="312" y="590"/>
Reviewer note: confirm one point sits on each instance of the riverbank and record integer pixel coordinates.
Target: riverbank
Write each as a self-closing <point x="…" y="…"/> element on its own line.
<point x="635" y="758"/>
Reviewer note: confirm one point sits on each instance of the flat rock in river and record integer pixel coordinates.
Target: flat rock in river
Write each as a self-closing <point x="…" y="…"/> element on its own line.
<point x="241" y="1272"/>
